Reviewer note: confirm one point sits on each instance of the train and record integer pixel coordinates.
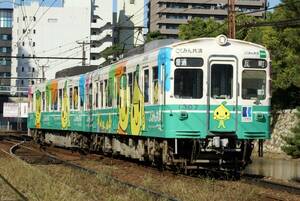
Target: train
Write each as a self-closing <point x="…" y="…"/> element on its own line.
<point x="189" y="105"/>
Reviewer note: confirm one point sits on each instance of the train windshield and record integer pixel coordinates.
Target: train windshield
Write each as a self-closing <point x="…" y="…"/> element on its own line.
<point x="188" y="83"/>
<point x="253" y="84"/>
<point x="221" y="81"/>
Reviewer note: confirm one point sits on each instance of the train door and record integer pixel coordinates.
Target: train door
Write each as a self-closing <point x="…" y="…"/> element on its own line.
<point x="222" y="95"/>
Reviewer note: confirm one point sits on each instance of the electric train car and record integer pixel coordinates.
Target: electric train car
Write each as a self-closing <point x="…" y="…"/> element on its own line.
<point x="191" y="104"/>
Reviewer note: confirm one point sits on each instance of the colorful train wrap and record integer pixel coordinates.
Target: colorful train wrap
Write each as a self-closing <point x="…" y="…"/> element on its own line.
<point x="191" y="104"/>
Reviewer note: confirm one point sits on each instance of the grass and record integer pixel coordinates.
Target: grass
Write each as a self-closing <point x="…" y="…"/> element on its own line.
<point x="57" y="182"/>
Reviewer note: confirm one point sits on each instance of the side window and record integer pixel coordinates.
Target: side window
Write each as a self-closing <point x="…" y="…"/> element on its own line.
<point x="109" y="92"/>
<point x="60" y="93"/>
<point x="101" y="95"/>
<point x="146" y="85"/>
<point x="106" y="93"/>
<point x="54" y="106"/>
<point x="90" y="97"/>
<point x="97" y="95"/>
<point x="81" y="95"/>
<point x="71" y="98"/>
<point x="130" y="84"/>
<point x="43" y="101"/>
<point x="75" y="98"/>
<point x="155" y="91"/>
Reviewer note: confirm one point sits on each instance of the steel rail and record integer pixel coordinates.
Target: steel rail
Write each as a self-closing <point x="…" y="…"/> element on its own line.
<point x="260" y="181"/>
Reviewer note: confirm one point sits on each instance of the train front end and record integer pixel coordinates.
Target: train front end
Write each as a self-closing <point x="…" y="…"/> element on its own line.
<point x="218" y="102"/>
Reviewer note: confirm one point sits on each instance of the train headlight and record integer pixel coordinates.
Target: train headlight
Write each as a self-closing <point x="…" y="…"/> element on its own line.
<point x="222" y="40"/>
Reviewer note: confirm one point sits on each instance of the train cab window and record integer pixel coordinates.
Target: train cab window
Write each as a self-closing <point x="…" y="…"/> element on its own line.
<point x="101" y="95"/>
<point x="146" y="85"/>
<point x="188" y="83"/>
<point x="60" y="94"/>
<point x="71" y="98"/>
<point x="221" y="81"/>
<point x="155" y="93"/>
<point x="254" y="84"/>
<point x="75" y="98"/>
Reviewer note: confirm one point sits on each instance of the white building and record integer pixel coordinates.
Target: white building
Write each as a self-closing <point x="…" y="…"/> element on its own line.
<point x="130" y="22"/>
<point x="101" y="29"/>
<point x="75" y="30"/>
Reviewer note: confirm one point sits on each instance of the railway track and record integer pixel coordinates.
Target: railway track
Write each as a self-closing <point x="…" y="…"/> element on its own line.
<point x="33" y="156"/>
<point x="36" y="156"/>
<point x="261" y="181"/>
<point x="15" y="190"/>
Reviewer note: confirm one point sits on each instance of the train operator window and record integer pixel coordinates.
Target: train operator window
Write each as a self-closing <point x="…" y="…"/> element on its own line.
<point x="253" y="84"/>
<point x="221" y="81"/>
<point x="188" y="83"/>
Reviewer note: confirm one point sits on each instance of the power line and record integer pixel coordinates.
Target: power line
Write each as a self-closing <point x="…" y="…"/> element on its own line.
<point x="29" y="57"/>
<point x="52" y="4"/>
<point x="24" y="17"/>
<point x="281" y="23"/>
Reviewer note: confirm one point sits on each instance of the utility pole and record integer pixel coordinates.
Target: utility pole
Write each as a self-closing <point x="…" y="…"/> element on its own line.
<point x="231" y="19"/>
<point x="83" y="43"/>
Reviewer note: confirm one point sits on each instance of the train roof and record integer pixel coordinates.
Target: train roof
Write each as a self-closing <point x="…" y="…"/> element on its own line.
<point x="156" y="45"/>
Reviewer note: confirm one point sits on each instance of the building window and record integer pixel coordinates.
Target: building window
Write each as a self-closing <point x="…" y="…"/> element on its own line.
<point x="33" y="70"/>
<point x="5" y="37"/>
<point x="23" y="43"/>
<point x="52" y="20"/>
<point x="177" y="5"/>
<point x="172" y="26"/>
<point x="6" y="18"/>
<point x="24" y="31"/>
<point x="33" y="44"/>
<point x="34" y="31"/>
<point x="5" y="62"/>
<point x="22" y="69"/>
<point x="5" y="49"/>
<point x="131" y="1"/>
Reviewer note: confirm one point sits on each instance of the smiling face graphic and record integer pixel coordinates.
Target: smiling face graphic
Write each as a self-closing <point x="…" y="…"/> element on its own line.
<point x="221" y="114"/>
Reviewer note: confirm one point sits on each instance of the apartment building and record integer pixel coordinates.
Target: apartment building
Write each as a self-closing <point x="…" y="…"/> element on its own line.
<point x="166" y="15"/>
<point x="6" y="16"/>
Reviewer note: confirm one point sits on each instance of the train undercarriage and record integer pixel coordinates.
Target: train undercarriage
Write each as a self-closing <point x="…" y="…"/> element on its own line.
<point x="220" y="152"/>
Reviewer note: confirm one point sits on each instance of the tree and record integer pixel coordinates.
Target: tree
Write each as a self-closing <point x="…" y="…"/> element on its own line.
<point x="111" y="52"/>
<point x="201" y="28"/>
<point x="292" y="146"/>
<point x="155" y="35"/>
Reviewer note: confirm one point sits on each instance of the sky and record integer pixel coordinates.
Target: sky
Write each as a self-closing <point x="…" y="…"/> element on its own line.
<point x="8" y="4"/>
